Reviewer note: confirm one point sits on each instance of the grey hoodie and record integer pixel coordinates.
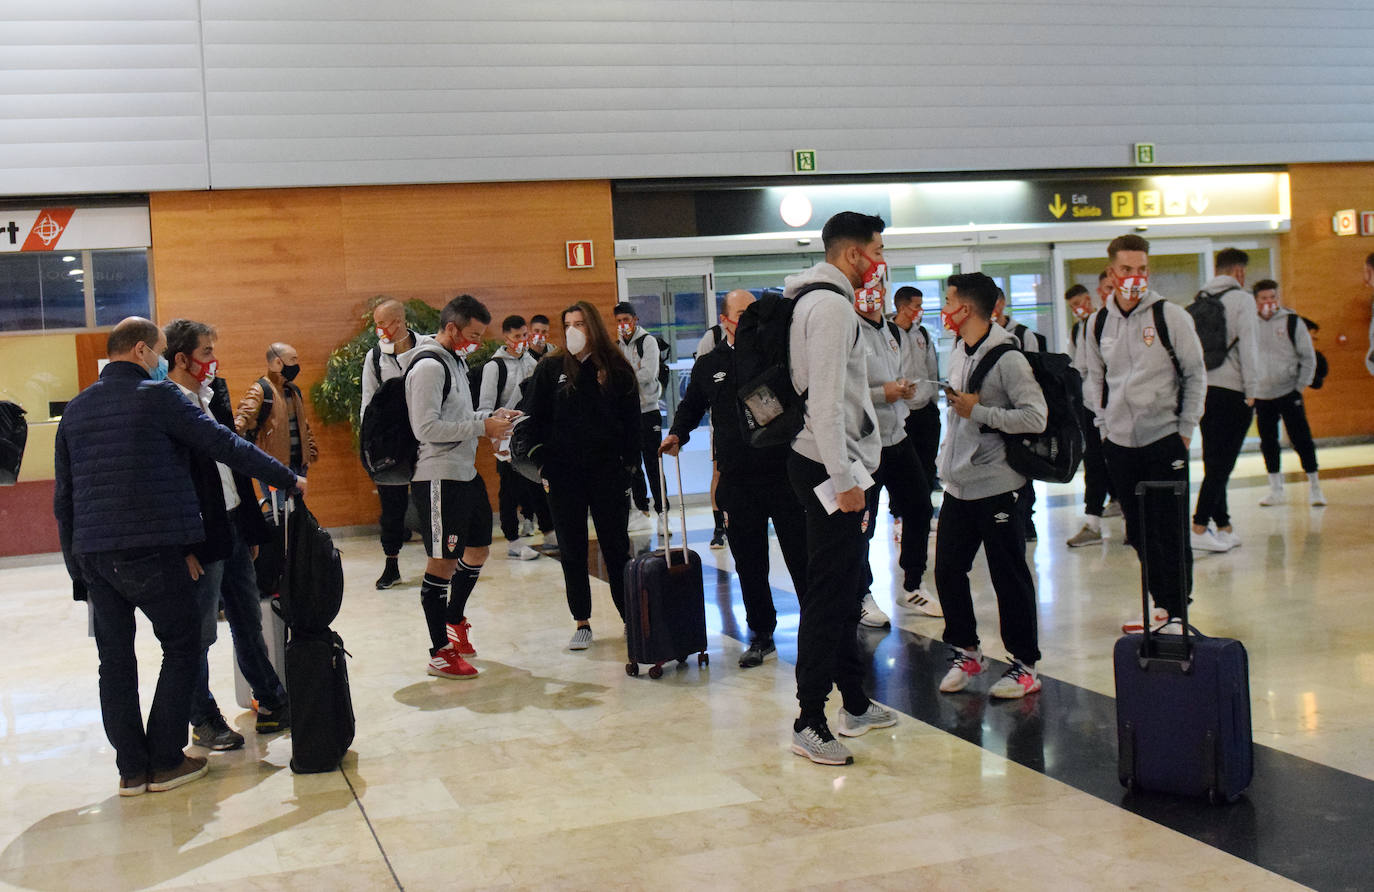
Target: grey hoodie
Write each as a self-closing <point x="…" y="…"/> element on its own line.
<point x="973" y="462"/>
<point x="886" y="361"/>
<point x="922" y="365"/>
<point x="828" y="361"/>
<point x="1141" y="382"/>
<point x="1286" y="365"/>
<point x="447" y="428"/>
<point x="1240" y="372"/>
<point x="646" y="367"/>
<point x="518" y="368"/>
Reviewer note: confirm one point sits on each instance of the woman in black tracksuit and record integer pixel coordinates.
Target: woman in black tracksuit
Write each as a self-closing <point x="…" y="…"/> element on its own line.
<point x="584" y="417"/>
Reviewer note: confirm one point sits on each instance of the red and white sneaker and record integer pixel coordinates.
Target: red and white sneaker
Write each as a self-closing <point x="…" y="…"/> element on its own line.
<point x="1016" y="682"/>
<point x="963" y="665"/>
<point x="1137" y="623"/>
<point x="446" y="663"/>
<point x="458" y="638"/>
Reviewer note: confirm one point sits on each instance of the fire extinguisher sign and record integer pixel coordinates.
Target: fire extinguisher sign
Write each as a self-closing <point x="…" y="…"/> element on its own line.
<point x="580" y="255"/>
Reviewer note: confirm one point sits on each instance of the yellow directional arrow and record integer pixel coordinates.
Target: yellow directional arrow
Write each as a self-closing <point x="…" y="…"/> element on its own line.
<point x="1059" y="207"/>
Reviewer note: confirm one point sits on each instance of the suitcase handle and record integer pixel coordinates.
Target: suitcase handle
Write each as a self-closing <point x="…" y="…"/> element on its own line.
<point x="666" y="531"/>
<point x="1179" y="491"/>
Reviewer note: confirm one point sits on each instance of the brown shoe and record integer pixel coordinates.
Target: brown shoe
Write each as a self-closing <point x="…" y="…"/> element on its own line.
<point x="133" y="786"/>
<point x="191" y="767"/>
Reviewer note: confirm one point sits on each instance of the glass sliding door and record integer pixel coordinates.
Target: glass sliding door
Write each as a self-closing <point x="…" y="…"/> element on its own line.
<point x="1026" y="281"/>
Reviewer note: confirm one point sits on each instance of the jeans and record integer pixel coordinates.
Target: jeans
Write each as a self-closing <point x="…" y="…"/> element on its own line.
<point x="1168" y="551"/>
<point x="1289" y="408"/>
<point x="155" y="581"/>
<point x="748" y="505"/>
<point x="1224" y="423"/>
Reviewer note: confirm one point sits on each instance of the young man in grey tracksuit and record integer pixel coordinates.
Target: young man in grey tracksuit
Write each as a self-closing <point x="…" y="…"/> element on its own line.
<point x="1287" y="366"/>
<point x="1229" y="405"/>
<point x="641" y="351"/>
<point x="982" y="492"/>
<point x="1146" y="383"/>
<point x="838" y="445"/>
<point x="448" y="495"/>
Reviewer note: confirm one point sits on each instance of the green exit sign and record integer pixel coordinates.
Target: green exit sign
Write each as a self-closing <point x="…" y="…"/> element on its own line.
<point x="804" y="161"/>
<point x="1144" y="153"/>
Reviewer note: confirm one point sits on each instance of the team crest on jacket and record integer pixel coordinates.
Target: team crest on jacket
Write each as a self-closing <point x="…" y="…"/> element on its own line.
<point x="453" y="542"/>
<point x="1149" y="336"/>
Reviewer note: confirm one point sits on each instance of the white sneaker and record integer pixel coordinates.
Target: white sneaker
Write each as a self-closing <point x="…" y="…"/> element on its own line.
<point x="1172" y="627"/>
<point x="551" y="539"/>
<point x="640" y="522"/>
<point x="1016" y="682"/>
<point x="964" y="664"/>
<point x="526" y="528"/>
<point x="870" y="615"/>
<point x="520" y="550"/>
<point x="874" y="716"/>
<point x="1315" y="497"/>
<point x="1112" y="509"/>
<point x="1229" y="537"/>
<point x="921" y="602"/>
<point x="1137" y="623"/>
<point x="1273" y="497"/>
<point x="1208" y="541"/>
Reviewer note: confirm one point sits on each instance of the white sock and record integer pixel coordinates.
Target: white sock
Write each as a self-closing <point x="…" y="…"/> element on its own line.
<point x="1313" y="481"/>
<point x="1276" y="480"/>
<point x="1092" y="522"/>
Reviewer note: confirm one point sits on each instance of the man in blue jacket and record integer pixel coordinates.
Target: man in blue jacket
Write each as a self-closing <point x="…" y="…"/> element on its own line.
<point x="127" y="514"/>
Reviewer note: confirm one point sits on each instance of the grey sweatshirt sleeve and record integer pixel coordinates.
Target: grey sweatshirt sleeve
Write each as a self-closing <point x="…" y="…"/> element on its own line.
<point x="646" y="366"/>
<point x="1242" y="319"/>
<point x="1188" y="349"/>
<point x="487" y="396"/>
<point x="425" y="405"/>
<point x="1013" y="375"/>
<point x="916" y="362"/>
<point x="1307" y="356"/>
<point x="1094" y="369"/>
<point x="829" y="339"/>
<point x="370" y="382"/>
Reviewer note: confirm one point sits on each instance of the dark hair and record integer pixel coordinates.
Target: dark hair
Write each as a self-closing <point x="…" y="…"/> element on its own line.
<point x="850" y="226"/>
<point x="978" y="289"/>
<point x="1075" y="290"/>
<point x="1230" y="258"/>
<point x="1102" y="275"/>
<point x="624" y="307"/>
<point x="511" y="323"/>
<point x="463" y="309"/>
<point x="905" y="295"/>
<point x="611" y="364"/>
<point x="1369" y="261"/>
<point x="1128" y="242"/>
<point x="1266" y="285"/>
<point x="537" y="318"/>
<point x="128" y="334"/>
<point x="184" y="336"/>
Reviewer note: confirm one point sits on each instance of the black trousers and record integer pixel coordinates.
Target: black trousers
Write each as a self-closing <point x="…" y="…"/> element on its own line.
<point x="923" y="429"/>
<point x="748" y="506"/>
<point x="1290" y="409"/>
<point x="395" y="499"/>
<point x="908" y="493"/>
<point x="1097" y="485"/>
<point x="515" y="491"/>
<point x="827" y="642"/>
<point x="1223" y="427"/>
<point x="993" y="523"/>
<point x="650" y="436"/>
<point x="571" y="496"/>
<point x="1167" y="543"/>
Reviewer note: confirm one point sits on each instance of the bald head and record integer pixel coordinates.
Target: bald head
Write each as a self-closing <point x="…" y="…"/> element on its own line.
<point x="280" y="355"/>
<point x="735" y="303"/>
<point x="128" y="334"/>
<point x="388" y="312"/>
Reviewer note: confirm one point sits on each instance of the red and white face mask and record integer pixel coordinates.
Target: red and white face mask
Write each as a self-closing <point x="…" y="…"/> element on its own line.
<point x="203" y="371"/>
<point x="1132" y="288"/>
<point x="955" y="320"/>
<point x="1267" y="308"/>
<point x="868" y="300"/>
<point x="1081" y="312"/>
<point x="873" y="274"/>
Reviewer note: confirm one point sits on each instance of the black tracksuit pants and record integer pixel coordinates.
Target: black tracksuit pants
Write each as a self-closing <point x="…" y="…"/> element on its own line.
<point x="827" y="642"/>
<point x="571" y="496"/>
<point x="517" y="490"/>
<point x="1097" y="485"/>
<point x="1224" y="423"/>
<point x="1167" y="542"/>
<point x="748" y="506"/>
<point x="908" y="493"/>
<point x="923" y="429"/>
<point x="395" y="499"/>
<point x="1290" y="409"/>
<point x="650" y="436"/>
<point x="995" y="524"/>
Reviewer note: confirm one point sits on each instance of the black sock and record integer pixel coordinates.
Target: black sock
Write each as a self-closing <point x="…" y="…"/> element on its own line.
<point x="391" y="562"/>
<point x="464" y="580"/>
<point x="432" y="602"/>
<point x="719" y="518"/>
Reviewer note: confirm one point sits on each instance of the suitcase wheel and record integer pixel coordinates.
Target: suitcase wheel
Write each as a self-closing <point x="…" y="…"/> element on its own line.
<point x="703" y="659"/>
<point x="656" y="671"/>
<point x="632" y="670"/>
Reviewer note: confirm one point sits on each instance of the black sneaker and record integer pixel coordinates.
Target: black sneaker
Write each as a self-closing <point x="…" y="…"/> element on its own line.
<point x="718" y="538"/>
<point x="760" y="649"/>
<point x="215" y="734"/>
<point x="390" y="576"/>
<point x="270" y="721"/>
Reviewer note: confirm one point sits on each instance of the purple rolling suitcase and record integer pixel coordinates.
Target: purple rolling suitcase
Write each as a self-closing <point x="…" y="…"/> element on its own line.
<point x="665" y="604"/>
<point x="1182" y="701"/>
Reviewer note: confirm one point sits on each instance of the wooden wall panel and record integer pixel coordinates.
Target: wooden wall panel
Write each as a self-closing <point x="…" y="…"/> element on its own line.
<point x="1321" y="278"/>
<point x="300" y="265"/>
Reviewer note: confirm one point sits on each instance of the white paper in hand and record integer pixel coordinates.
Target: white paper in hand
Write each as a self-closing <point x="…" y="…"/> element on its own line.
<point x="825" y="491"/>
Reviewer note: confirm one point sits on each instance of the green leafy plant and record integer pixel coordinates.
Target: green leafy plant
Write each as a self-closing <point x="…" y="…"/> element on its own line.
<point x="338" y="396"/>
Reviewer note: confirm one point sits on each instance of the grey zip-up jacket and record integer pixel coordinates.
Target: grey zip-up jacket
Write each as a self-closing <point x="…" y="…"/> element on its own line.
<point x="518" y="368"/>
<point x="973" y="462"/>
<point x="922" y="365"/>
<point x="886" y="361"/>
<point x="646" y="367"/>
<point x="1142" y="386"/>
<point x="830" y="366"/>
<point x="1240" y="372"/>
<point x="1286" y="365"/>
<point x="447" y="428"/>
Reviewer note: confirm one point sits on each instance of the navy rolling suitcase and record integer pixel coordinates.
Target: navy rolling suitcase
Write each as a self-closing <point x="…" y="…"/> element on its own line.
<point x="665" y="604"/>
<point x="1182" y="701"/>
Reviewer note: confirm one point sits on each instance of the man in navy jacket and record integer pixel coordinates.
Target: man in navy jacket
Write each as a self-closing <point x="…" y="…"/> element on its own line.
<point x="128" y="516"/>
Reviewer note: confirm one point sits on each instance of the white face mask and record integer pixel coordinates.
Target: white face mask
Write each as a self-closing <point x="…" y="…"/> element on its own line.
<point x="576" y="340"/>
<point x="386" y="346"/>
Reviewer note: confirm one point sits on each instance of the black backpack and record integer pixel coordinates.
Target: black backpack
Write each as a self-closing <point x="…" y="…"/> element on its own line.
<point x="1322" y="368"/>
<point x="14" y="433"/>
<point x="771" y="410"/>
<point x="662" y="358"/>
<point x="475" y="381"/>
<point x="385" y="440"/>
<point x="1209" y="318"/>
<point x="522" y="444"/>
<point x="312" y="582"/>
<point x="1054" y="454"/>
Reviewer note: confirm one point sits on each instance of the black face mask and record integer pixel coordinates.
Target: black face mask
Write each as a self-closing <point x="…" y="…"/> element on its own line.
<point x="289" y="372"/>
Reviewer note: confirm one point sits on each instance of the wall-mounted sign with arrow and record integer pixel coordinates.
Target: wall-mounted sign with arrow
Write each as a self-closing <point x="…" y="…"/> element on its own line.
<point x="1058" y="207"/>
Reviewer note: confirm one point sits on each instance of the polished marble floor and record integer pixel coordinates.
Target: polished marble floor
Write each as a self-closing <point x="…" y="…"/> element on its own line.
<point x="555" y="770"/>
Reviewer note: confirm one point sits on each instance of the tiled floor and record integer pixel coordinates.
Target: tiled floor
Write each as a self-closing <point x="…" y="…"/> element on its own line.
<point x="555" y="770"/>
